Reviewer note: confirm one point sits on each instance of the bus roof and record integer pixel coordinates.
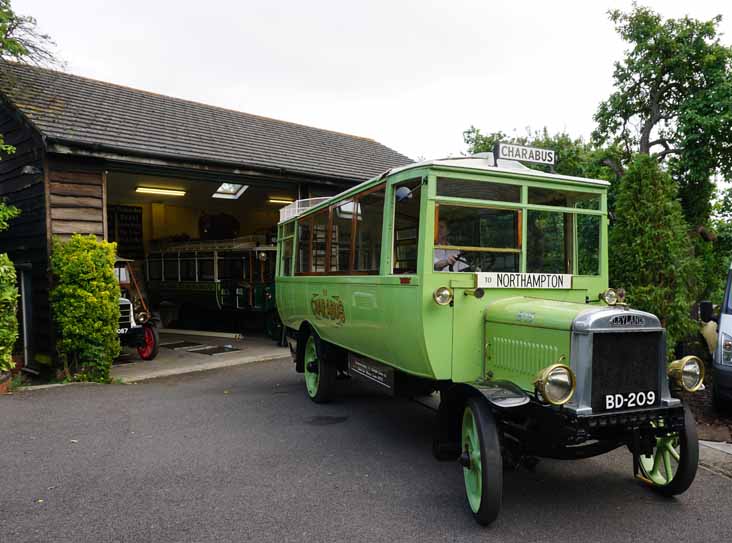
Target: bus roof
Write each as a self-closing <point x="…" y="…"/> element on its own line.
<point x="478" y="162"/>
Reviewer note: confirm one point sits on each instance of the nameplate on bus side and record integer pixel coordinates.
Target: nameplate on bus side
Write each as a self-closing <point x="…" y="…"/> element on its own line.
<point x="523" y="280"/>
<point x="371" y="371"/>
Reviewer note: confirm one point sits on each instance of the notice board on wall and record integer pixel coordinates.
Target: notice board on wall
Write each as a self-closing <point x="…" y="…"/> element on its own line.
<point x="124" y="225"/>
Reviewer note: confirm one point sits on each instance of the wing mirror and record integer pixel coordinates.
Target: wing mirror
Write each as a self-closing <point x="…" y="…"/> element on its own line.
<point x="706" y="311"/>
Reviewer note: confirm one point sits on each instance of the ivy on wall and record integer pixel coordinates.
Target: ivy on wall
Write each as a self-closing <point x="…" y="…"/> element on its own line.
<point x="8" y="308"/>
<point x="8" y="297"/>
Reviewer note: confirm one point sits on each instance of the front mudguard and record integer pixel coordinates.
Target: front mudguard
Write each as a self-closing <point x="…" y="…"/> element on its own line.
<point x="500" y="395"/>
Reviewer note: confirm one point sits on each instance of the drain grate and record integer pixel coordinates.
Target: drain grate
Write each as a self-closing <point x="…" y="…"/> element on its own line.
<point x="212" y="351"/>
<point x="181" y="345"/>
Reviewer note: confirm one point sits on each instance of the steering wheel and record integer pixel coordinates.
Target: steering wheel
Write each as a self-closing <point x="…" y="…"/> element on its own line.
<point x="473" y="264"/>
<point x="460" y="258"/>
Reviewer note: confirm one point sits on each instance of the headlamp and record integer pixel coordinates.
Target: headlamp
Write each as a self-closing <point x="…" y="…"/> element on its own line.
<point x="726" y="349"/>
<point x="688" y="373"/>
<point x="443" y="295"/>
<point x="556" y="384"/>
<point x="610" y="297"/>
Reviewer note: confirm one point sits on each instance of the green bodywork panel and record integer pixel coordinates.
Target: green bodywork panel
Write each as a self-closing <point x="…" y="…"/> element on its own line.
<point x="524" y="335"/>
<point x="394" y="319"/>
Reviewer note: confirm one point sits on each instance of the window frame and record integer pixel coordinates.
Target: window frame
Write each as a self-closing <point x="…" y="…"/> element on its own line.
<point x="525" y="185"/>
<point x="310" y="218"/>
<point x="422" y="180"/>
<point x="279" y="271"/>
<point x="512" y="250"/>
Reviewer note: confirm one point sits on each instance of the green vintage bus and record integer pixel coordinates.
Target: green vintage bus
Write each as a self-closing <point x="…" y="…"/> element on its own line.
<point x="487" y="282"/>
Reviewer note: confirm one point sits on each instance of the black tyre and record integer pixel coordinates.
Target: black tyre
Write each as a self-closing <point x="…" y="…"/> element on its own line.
<point x="672" y="466"/>
<point x="320" y="375"/>
<point x="481" y="460"/>
<point x="721" y="403"/>
<point x="273" y="325"/>
<point x="150" y="349"/>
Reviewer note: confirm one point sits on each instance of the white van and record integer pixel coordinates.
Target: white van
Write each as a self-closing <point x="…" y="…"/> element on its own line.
<point x="722" y="352"/>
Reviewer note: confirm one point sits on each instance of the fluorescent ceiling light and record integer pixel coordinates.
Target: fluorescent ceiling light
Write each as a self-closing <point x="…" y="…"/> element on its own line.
<point x="279" y="201"/>
<point x="229" y="191"/>
<point x="163" y="192"/>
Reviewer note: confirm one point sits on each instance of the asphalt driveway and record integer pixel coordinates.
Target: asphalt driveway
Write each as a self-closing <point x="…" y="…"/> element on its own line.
<point x="240" y="454"/>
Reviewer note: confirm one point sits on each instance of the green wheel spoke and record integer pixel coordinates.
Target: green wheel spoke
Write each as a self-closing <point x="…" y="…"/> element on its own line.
<point x="312" y="378"/>
<point x="667" y="465"/>
<point x="474" y="473"/>
<point x="657" y="461"/>
<point x="660" y="467"/>
<point x="674" y="453"/>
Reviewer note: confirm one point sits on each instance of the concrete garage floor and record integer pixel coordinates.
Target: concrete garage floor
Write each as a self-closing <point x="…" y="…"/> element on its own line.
<point x="187" y="354"/>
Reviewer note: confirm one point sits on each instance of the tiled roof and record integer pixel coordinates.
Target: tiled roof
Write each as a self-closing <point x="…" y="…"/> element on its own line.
<point x="84" y="111"/>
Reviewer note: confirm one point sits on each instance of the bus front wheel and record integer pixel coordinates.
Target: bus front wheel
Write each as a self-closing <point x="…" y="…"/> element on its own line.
<point x="481" y="460"/>
<point x="320" y="374"/>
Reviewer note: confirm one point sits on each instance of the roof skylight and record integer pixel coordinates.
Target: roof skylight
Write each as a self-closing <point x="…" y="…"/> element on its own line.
<point x="229" y="191"/>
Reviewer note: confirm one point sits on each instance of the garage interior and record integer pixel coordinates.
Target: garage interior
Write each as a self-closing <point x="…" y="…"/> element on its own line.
<point x="185" y="234"/>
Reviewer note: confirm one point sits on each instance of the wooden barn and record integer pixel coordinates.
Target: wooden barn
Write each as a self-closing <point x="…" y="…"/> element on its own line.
<point x="144" y="169"/>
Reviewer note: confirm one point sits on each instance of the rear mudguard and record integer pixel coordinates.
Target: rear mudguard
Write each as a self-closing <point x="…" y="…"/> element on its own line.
<point x="325" y="350"/>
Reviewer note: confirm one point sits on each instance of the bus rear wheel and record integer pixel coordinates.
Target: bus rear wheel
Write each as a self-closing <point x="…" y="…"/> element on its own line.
<point x="481" y="460"/>
<point x="320" y="375"/>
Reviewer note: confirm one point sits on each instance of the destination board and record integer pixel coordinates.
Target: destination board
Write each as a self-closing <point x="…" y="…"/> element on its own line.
<point x="523" y="280"/>
<point x="509" y="151"/>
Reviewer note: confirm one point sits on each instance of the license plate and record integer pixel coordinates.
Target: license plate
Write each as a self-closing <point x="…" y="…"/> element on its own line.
<point x="630" y="400"/>
<point x="121" y="331"/>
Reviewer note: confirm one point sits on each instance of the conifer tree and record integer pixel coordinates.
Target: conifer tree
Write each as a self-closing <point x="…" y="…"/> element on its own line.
<point x="650" y="251"/>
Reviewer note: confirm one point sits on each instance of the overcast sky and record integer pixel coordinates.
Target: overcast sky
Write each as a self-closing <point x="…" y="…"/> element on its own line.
<point x="410" y="74"/>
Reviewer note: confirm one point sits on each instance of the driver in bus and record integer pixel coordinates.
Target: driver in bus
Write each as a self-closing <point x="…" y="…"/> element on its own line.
<point x="447" y="258"/>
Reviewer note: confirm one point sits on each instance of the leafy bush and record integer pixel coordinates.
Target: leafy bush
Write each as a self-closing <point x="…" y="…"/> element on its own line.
<point x="8" y="308"/>
<point x="650" y="251"/>
<point x="8" y="296"/>
<point x="719" y="255"/>
<point x="85" y="306"/>
<point x="6" y="213"/>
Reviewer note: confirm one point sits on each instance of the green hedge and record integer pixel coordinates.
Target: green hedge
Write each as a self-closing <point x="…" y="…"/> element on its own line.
<point x="85" y="306"/>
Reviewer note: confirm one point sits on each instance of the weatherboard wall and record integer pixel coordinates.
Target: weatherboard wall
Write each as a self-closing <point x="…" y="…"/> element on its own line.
<point x="22" y="185"/>
<point x="76" y="198"/>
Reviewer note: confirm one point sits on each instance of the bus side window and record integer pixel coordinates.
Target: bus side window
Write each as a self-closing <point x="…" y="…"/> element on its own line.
<point x="340" y="248"/>
<point x="303" y="245"/>
<point x="319" y="240"/>
<point x="406" y="227"/>
<point x="549" y="247"/>
<point x="368" y="225"/>
<point x="286" y="268"/>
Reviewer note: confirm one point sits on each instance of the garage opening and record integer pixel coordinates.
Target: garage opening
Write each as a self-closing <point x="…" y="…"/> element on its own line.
<point x="202" y="251"/>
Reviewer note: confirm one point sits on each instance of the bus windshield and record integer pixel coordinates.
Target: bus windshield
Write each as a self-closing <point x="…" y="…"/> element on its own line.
<point x="472" y="239"/>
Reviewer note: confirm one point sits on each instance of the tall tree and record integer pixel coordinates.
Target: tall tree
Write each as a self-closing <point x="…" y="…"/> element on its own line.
<point x="672" y="101"/>
<point x="652" y="256"/>
<point x="20" y="39"/>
